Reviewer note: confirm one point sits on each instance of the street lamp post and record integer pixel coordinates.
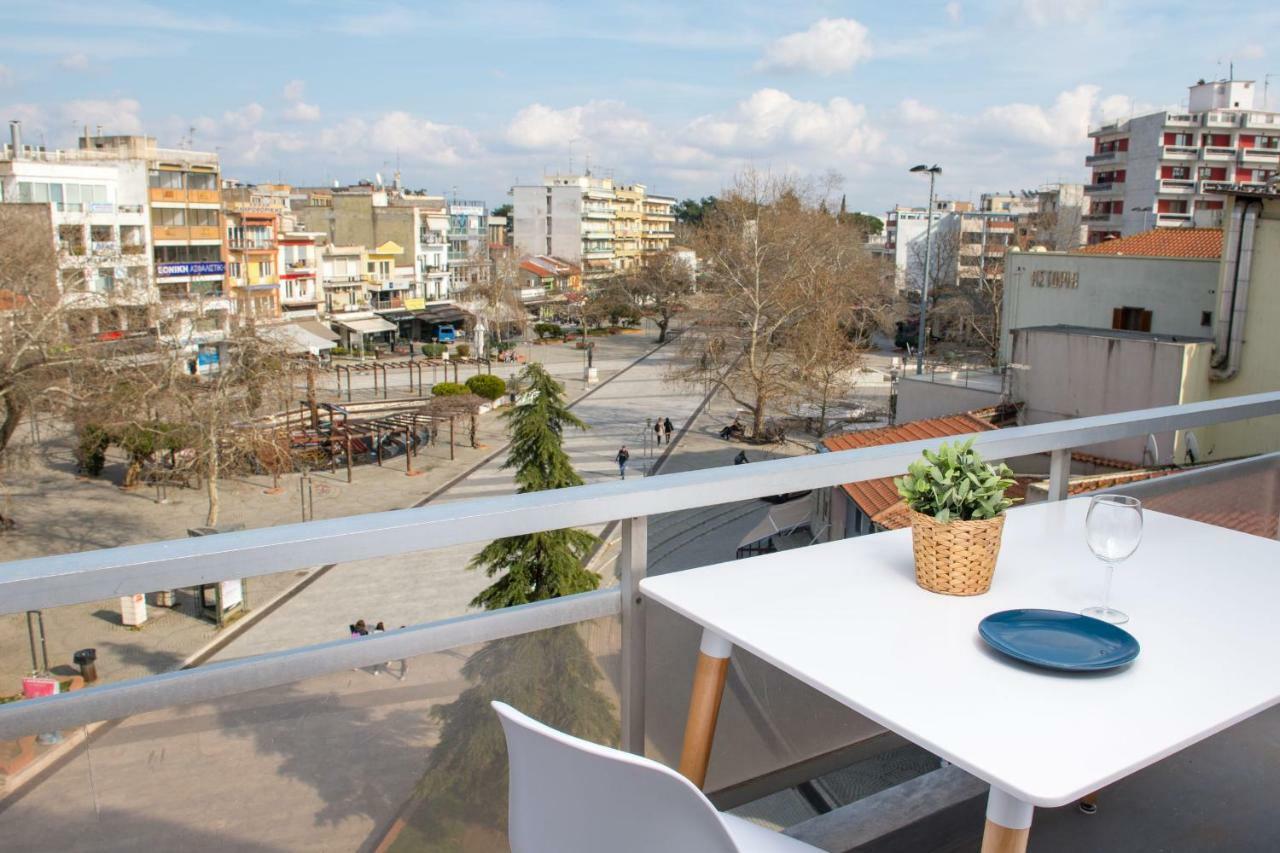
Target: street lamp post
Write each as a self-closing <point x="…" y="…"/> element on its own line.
<point x="1146" y="216"/>
<point x="933" y="172"/>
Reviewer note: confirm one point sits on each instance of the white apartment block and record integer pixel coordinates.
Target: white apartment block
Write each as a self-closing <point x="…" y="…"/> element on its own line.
<point x="468" y="242"/>
<point x="98" y="215"/>
<point x="300" y="281"/>
<point x="1163" y="169"/>
<point x="591" y="222"/>
<point x="905" y="232"/>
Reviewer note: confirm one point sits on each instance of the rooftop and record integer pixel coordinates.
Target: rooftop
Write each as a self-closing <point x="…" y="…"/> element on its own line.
<point x="1163" y="243"/>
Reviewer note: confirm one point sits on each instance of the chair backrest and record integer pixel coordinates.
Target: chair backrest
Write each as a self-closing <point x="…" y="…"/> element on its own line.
<point x="572" y="796"/>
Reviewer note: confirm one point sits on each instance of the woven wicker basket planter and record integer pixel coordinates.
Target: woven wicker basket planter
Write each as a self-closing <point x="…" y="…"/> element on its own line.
<point x="958" y="558"/>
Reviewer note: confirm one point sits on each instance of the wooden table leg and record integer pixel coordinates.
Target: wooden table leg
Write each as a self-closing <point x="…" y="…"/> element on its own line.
<point x="704" y="706"/>
<point x="1008" y="823"/>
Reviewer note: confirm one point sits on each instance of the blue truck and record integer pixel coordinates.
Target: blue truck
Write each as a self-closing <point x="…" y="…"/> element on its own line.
<point x="446" y="334"/>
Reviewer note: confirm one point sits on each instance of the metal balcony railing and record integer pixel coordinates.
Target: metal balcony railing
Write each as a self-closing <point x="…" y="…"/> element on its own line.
<point x="45" y="582"/>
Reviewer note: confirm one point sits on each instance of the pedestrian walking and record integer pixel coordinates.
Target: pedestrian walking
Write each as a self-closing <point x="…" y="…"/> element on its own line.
<point x="657" y="429"/>
<point x="621" y="459"/>
<point x="668" y="428"/>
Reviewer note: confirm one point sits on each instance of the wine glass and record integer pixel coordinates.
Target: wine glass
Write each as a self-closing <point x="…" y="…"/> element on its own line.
<point x="1113" y="529"/>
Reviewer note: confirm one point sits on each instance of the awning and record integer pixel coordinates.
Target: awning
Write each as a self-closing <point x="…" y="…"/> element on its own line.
<point x="394" y="314"/>
<point x="783" y="518"/>
<point x="442" y="314"/>
<point x="297" y="339"/>
<point x="366" y="327"/>
<point x="318" y="329"/>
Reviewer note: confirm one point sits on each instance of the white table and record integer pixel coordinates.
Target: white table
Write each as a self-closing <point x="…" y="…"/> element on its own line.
<point x="847" y="619"/>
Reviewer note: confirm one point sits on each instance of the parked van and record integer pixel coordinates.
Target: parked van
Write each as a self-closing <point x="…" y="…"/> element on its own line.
<point x="446" y="334"/>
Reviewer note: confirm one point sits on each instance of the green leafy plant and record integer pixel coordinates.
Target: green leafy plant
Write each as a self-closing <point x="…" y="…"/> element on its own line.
<point x="448" y="389"/>
<point x="433" y="350"/>
<point x="487" y="386"/>
<point x="91" y="449"/>
<point x="548" y="330"/>
<point x="463" y="350"/>
<point x="955" y="483"/>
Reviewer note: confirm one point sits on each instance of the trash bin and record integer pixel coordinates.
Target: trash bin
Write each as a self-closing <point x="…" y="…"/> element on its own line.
<point x="86" y="660"/>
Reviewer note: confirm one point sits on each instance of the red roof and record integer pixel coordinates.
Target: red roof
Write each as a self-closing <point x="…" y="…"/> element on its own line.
<point x="876" y="497"/>
<point x="1163" y="243"/>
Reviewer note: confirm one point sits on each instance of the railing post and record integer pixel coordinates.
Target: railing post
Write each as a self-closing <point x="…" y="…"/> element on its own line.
<point x="1059" y="473"/>
<point x="633" y="564"/>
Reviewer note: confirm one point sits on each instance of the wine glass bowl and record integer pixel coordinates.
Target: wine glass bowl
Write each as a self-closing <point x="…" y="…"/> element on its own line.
<point x="1113" y="529"/>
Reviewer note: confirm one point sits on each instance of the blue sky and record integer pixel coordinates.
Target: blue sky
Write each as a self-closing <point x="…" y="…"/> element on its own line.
<point x="676" y="95"/>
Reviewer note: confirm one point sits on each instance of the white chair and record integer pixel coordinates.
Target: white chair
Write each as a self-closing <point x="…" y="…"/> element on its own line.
<point x="572" y="796"/>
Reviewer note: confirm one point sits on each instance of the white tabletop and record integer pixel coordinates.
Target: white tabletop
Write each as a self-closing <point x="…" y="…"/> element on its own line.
<point x="848" y="619"/>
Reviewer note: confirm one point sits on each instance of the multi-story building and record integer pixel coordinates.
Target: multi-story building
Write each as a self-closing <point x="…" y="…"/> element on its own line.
<point x="299" y="266"/>
<point x="1056" y="221"/>
<point x="981" y="242"/>
<point x="468" y="243"/>
<point x="97" y="214"/>
<point x="591" y="222"/>
<point x="905" y="236"/>
<point x="1161" y="169"/>
<point x="343" y="273"/>
<point x="253" y="244"/>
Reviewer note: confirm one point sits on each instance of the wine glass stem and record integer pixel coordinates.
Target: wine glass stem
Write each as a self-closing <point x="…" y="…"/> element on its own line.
<point x="1106" y="590"/>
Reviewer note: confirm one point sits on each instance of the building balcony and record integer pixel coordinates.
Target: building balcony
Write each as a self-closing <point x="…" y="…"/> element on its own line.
<point x="1104" y="188"/>
<point x="1219" y="153"/>
<point x="1103" y="157"/>
<point x="1104" y="216"/>
<point x="597" y="213"/>
<point x="328" y="744"/>
<point x="1179" y="152"/>
<point x="1173" y="220"/>
<point x="1221" y="120"/>
<point x="1181" y="120"/>
<point x="1260" y="156"/>
<point x="1171" y="186"/>
<point x="1262" y="120"/>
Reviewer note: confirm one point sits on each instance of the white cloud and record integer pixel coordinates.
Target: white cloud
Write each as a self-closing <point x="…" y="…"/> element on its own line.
<point x="608" y="125"/>
<point x="831" y="45"/>
<point x="953" y="11"/>
<point x="770" y="121"/>
<point x="420" y="138"/>
<point x="244" y="118"/>
<point x="1045" y="12"/>
<point x="539" y="126"/>
<point x="7" y="77"/>
<point x="1065" y="124"/>
<point x="302" y="112"/>
<point x="115" y="116"/>
<point x="1250" y="51"/>
<point x="294" y="90"/>
<point x="914" y="112"/>
<point x="74" y="62"/>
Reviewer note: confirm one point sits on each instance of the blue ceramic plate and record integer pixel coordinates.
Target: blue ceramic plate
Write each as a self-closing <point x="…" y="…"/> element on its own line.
<point x="1059" y="640"/>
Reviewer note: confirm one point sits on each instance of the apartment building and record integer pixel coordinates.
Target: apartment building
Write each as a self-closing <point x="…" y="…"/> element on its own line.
<point x="1165" y="169"/>
<point x="980" y="240"/>
<point x="97" y="214"/>
<point x="905" y="232"/>
<point x="592" y="222"/>
<point x="299" y="273"/>
<point x="253" y="266"/>
<point x="343" y="275"/>
<point x="468" y="243"/>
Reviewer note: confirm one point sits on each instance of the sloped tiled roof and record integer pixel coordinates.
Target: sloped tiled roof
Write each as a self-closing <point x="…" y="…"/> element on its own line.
<point x="1163" y="243"/>
<point x="878" y="499"/>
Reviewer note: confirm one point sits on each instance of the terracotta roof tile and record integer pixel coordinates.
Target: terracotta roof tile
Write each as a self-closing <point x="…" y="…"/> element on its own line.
<point x="875" y="497"/>
<point x="1163" y="243"/>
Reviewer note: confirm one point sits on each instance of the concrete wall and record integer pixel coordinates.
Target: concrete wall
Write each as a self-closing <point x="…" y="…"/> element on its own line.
<point x="1142" y="172"/>
<point x="1175" y="290"/>
<point x="920" y="398"/>
<point x="1260" y="358"/>
<point x="1076" y="375"/>
<point x="566" y="223"/>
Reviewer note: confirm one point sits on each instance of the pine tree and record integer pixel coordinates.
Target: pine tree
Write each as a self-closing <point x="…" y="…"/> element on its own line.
<point x="550" y="675"/>
<point x="538" y="566"/>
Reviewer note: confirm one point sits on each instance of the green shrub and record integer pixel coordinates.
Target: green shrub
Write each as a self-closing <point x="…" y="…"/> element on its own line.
<point x="91" y="450"/>
<point x="487" y="385"/>
<point x="548" y="330"/>
<point x="338" y="351"/>
<point x="463" y="350"/>
<point x="433" y="350"/>
<point x="448" y="389"/>
<point x="955" y="483"/>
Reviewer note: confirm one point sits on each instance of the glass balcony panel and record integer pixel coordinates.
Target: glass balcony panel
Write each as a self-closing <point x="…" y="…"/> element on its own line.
<point x="405" y="754"/>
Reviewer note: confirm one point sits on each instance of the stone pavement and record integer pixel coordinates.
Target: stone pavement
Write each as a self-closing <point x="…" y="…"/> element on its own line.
<point x="59" y="512"/>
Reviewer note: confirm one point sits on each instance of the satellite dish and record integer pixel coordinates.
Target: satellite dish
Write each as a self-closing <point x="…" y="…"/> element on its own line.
<point x="335" y="183"/>
<point x="1193" y="447"/>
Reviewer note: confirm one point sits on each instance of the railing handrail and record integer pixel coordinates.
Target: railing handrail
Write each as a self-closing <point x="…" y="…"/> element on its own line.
<point x="93" y="575"/>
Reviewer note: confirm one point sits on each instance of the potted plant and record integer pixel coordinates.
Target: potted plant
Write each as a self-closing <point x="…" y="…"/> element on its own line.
<point x="957" y="505"/>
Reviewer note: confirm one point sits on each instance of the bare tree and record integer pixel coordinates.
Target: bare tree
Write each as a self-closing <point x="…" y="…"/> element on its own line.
<point x="776" y="267"/>
<point x="944" y="260"/>
<point x="660" y="287"/>
<point x="826" y="357"/>
<point x="495" y="298"/>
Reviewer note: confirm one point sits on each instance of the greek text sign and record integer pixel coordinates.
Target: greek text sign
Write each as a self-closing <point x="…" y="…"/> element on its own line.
<point x="1064" y="279"/>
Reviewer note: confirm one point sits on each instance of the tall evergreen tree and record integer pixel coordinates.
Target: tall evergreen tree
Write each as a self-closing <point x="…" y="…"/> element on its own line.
<point x="538" y="566"/>
<point x="550" y="675"/>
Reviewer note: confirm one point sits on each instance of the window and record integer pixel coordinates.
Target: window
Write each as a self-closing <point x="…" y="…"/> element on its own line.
<point x="1131" y="319"/>
<point x="1206" y="318"/>
<point x="202" y="217"/>
<point x="71" y="239"/>
<point x="1179" y="173"/>
<point x="169" y="217"/>
<point x="201" y="181"/>
<point x="166" y="180"/>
